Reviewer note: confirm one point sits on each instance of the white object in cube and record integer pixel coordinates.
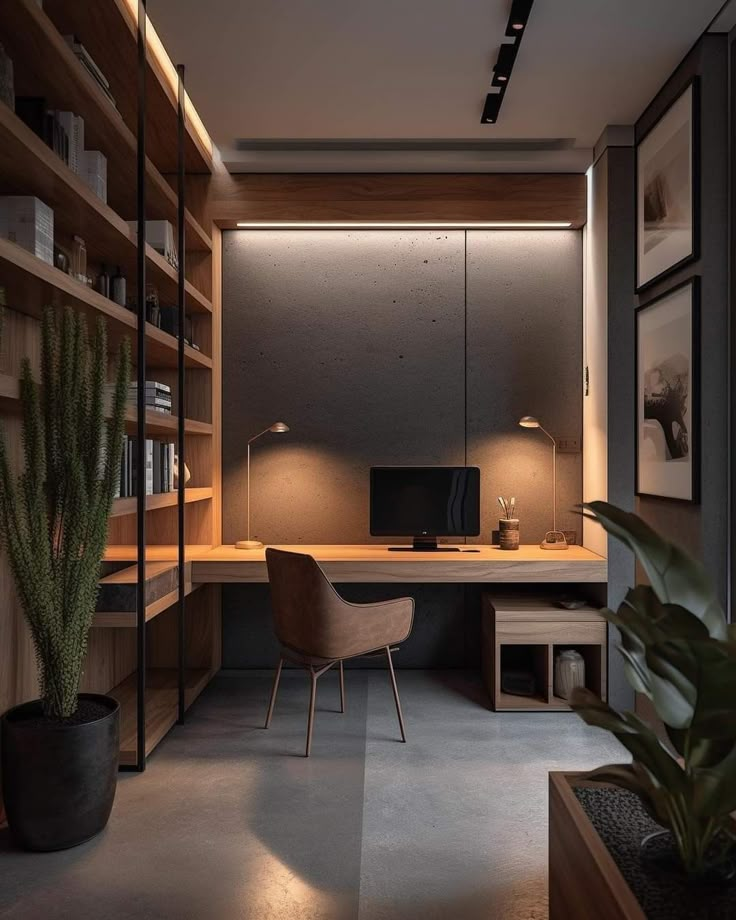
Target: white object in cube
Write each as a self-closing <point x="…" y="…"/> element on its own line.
<point x="29" y="222"/>
<point x="94" y="172"/>
<point x="569" y="673"/>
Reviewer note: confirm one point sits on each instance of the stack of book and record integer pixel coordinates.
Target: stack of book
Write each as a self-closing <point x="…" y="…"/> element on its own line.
<point x="158" y="395"/>
<point x="159" y="476"/>
<point x="62" y="131"/>
<point x="84" y="58"/>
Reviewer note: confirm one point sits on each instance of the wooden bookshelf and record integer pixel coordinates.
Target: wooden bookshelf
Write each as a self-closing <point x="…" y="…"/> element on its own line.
<point x="45" y="66"/>
<point x="50" y="69"/>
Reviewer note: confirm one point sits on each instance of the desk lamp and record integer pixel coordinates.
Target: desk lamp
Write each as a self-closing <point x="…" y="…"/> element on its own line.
<point x="276" y="428"/>
<point x="553" y="539"/>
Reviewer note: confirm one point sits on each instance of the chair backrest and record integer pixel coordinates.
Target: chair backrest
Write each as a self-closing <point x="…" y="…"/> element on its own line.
<point x="305" y="606"/>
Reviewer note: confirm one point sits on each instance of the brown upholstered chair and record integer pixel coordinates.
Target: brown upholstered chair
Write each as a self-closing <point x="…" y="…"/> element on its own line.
<point x="317" y="628"/>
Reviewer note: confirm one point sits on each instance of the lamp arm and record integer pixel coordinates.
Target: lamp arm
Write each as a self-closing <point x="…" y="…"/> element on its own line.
<point x="554" y="477"/>
<point x="256" y="436"/>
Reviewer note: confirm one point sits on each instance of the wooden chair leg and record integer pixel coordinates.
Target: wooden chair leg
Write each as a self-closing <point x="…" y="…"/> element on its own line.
<point x="274" y="689"/>
<point x="396" y="693"/>
<point x="342" y="688"/>
<point x="312" y="699"/>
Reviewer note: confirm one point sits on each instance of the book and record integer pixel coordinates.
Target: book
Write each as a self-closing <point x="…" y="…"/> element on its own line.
<point x="73" y="126"/>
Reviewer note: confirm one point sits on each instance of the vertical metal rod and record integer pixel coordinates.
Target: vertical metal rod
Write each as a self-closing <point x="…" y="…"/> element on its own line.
<point x="554" y="485"/>
<point x="247" y="488"/>
<point x="140" y="458"/>
<point x="181" y="382"/>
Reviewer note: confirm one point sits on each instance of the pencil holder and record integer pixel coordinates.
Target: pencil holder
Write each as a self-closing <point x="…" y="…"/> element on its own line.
<point x="508" y="533"/>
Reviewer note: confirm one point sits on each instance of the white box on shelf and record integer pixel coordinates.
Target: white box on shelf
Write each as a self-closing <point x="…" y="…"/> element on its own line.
<point x="29" y="222"/>
<point x="160" y="236"/>
<point x="94" y="172"/>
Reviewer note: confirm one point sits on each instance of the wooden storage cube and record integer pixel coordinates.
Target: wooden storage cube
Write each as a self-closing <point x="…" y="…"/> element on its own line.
<point x="538" y="623"/>
<point x="522" y="657"/>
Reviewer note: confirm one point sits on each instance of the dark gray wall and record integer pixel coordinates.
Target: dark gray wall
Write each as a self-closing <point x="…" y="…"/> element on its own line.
<point x="358" y="341"/>
<point x="392" y="347"/>
<point x="704" y="528"/>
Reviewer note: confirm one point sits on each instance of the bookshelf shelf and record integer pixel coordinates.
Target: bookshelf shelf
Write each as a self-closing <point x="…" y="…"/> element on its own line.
<point x="161" y="705"/>
<point x="127" y="552"/>
<point x="32" y="283"/>
<point x="9" y="392"/>
<point x="29" y="167"/>
<point x="125" y="506"/>
<point x="127" y="619"/>
<point x="157" y="423"/>
<point x="51" y="69"/>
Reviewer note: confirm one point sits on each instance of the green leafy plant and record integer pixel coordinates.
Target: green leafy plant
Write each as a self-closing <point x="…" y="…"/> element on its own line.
<point x="679" y="651"/>
<point x="54" y="514"/>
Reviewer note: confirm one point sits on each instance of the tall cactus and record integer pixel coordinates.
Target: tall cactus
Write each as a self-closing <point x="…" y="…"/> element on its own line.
<point x="54" y="514"/>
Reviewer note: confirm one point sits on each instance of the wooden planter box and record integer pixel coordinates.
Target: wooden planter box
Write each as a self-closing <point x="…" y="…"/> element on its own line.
<point x="584" y="881"/>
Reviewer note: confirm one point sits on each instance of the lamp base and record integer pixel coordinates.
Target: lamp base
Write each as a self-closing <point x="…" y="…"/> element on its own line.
<point x="249" y="544"/>
<point x="554" y="539"/>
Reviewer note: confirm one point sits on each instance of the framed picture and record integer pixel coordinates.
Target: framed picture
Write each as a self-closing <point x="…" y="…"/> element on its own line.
<point x="667" y="395"/>
<point x="666" y="191"/>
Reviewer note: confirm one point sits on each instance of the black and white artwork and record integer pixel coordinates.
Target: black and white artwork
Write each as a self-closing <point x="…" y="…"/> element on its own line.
<point x="666" y="231"/>
<point x="667" y="395"/>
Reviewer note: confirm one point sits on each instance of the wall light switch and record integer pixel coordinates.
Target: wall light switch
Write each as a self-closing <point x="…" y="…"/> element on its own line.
<point x="568" y="445"/>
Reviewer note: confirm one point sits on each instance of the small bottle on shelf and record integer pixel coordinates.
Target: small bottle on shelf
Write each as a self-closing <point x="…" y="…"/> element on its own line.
<point x="79" y="259"/>
<point x="103" y="282"/>
<point x="119" y="288"/>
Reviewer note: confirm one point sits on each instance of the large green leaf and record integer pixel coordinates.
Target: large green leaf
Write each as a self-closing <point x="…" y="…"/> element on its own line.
<point x="694" y="686"/>
<point x="675" y="576"/>
<point x="714" y="789"/>
<point x="636" y="736"/>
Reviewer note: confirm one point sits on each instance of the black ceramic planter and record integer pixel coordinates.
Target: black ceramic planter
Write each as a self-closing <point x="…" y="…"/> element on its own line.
<point x="59" y="780"/>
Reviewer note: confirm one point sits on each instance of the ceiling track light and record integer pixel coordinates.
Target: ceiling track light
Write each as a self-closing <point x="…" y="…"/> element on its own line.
<point x="504" y="65"/>
<point x="515" y="28"/>
<point x="520" y="10"/>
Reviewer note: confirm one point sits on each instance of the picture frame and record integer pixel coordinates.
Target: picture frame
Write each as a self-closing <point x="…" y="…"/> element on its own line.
<point x="667" y="191"/>
<point x="668" y="394"/>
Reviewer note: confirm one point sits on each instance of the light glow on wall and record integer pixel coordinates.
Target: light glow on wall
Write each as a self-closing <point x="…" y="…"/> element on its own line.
<point x="404" y="225"/>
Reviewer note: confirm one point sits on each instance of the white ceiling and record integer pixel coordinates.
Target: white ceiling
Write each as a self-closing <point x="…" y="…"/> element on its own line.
<point x="292" y="70"/>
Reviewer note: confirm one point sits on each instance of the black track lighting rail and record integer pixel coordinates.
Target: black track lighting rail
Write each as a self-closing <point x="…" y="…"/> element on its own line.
<point x="507" y="53"/>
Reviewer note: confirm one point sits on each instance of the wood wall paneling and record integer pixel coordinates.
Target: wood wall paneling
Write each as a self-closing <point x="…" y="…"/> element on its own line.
<point x="398" y="197"/>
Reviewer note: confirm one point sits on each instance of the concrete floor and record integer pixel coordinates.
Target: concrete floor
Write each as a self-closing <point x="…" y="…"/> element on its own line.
<point x="230" y="822"/>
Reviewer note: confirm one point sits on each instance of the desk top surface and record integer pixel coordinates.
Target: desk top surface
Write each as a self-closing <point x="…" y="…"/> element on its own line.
<point x="375" y="562"/>
<point x="378" y="552"/>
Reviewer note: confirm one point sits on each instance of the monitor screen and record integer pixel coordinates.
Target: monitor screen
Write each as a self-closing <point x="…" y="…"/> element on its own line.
<point x="431" y="501"/>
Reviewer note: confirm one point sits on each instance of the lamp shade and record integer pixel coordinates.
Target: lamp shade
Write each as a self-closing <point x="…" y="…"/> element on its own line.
<point x="528" y="421"/>
<point x="279" y="427"/>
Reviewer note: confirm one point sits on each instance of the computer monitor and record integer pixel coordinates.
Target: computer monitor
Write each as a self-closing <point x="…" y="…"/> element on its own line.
<point x="425" y="502"/>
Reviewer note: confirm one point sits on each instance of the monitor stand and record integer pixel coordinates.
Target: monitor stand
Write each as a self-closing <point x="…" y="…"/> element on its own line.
<point x="424" y="545"/>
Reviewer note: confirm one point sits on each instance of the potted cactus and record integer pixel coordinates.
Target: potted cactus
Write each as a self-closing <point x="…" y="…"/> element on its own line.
<point x="679" y="652"/>
<point x="60" y="752"/>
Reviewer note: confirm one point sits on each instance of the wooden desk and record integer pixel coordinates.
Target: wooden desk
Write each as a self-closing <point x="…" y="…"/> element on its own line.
<point x="374" y="563"/>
